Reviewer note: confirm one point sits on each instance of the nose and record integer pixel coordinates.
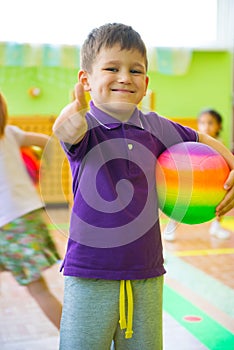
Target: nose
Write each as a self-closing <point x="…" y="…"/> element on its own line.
<point x="124" y="77"/>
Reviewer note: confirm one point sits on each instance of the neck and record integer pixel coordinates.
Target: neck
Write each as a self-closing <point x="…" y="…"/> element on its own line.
<point x="120" y="111"/>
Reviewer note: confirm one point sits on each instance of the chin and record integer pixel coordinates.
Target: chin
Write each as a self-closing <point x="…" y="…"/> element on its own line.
<point x="120" y="107"/>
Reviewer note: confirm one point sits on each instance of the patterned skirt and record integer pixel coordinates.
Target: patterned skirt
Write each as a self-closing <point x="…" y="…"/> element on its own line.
<point x="26" y="247"/>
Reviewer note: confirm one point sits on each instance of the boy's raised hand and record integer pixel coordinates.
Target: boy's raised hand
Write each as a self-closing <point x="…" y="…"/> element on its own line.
<point x="71" y="125"/>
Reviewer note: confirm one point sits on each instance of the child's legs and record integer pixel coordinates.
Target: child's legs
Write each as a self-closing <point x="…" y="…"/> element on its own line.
<point x="49" y="304"/>
<point x="90" y="314"/>
<point x="147" y="317"/>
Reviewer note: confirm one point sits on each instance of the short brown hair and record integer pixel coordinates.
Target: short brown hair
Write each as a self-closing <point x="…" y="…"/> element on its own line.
<point x="107" y="36"/>
<point x="3" y="114"/>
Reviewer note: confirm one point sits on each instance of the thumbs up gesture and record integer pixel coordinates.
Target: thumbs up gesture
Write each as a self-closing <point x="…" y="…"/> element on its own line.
<point x="71" y="125"/>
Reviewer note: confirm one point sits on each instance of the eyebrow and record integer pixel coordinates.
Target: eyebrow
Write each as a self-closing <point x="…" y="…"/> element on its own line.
<point x="133" y="64"/>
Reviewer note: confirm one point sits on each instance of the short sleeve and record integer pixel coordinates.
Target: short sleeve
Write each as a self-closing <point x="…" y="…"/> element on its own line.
<point x="17" y="133"/>
<point x="78" y="150"/>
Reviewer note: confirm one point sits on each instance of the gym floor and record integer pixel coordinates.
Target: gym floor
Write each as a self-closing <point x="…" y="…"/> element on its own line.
<point x="198" y="292"/>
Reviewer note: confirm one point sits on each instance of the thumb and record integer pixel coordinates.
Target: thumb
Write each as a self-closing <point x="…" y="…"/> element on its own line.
<point x="80" y="97"/>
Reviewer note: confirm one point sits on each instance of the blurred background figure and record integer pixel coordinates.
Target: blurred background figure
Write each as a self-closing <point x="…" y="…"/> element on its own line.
<point x="27" y="248"/>
<point x="209" y="122"/>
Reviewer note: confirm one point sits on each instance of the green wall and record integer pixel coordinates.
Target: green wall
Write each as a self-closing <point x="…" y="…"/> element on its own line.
<point x="208" y="83"/>
<point x="55" y="83"/>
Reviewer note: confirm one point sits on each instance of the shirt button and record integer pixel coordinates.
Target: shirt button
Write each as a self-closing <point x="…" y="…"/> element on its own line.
<point x="130" y="146"/>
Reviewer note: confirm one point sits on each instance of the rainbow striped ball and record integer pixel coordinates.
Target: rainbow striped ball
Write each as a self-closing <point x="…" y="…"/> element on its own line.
<point x="189" y="180"/>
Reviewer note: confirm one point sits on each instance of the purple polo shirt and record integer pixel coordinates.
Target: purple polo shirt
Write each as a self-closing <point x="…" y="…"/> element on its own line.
<point x="114" y="226"/>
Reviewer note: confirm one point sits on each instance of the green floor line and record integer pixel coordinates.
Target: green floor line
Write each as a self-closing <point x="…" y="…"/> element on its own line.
<point x="209" y="332"/>
<point x="201" y="283"/>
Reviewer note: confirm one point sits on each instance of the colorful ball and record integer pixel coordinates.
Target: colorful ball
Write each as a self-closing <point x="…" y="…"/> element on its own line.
<point x="189" y="180"/>
<point x="32" y="163"/>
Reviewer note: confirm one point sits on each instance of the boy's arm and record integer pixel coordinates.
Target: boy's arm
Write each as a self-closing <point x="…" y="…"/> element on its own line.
<point x="228" y="202"/>
<point x="71" y="124"/>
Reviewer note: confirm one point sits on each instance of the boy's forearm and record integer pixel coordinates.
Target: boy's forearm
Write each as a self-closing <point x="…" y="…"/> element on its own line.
<point x="219" y="147"/>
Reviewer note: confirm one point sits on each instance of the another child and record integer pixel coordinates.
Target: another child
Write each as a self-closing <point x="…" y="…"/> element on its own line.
<point x="210" y="123"/>
<point x="26" y="246"/>
<point x="114" y="254"/>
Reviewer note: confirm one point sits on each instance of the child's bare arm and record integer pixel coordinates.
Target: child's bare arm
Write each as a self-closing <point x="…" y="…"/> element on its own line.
<point x="71" y="125"/>
<point x="219" y="147"/>
<point x="34" y="139"/>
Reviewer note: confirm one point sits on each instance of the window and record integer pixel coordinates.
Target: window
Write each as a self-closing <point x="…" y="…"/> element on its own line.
<point x="170" y="23"/>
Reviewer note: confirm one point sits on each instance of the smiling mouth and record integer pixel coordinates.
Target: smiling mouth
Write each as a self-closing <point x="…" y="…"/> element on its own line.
<point x="123" y="90"/>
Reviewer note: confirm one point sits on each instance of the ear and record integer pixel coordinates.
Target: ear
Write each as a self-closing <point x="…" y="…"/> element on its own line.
<point x="146" y="84"/>
<point x="83" y="78"/>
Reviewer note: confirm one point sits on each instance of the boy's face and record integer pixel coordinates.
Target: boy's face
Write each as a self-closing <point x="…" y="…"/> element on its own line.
<point x="207" y="124"/>
<point x="118" y="81"/>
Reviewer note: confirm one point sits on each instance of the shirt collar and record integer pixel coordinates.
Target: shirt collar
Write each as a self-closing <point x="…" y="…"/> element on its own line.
<point x="110" y="122"/>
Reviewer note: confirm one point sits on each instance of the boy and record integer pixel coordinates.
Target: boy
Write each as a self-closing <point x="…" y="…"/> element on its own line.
<point x="115" y="242"/>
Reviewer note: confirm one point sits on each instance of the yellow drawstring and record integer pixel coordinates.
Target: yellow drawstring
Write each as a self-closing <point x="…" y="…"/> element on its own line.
<point x="122" y="318"/>
<point x="129" y="331"/>
<point x="122" y="321"/>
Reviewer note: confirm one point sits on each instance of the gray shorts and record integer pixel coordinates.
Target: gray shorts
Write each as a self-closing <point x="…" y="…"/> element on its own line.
<point x="90" y="318"/>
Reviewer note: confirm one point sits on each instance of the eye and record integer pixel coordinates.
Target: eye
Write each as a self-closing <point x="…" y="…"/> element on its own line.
<point x="135" y="71"/>
<point x="111" y="69"/>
